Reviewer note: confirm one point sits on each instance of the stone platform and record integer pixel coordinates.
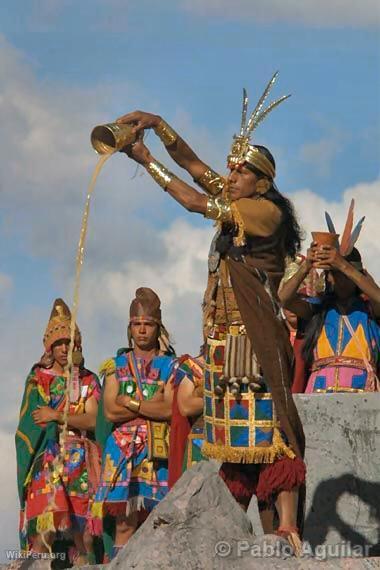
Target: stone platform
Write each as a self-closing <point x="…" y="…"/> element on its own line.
<point x="343" y="470"/>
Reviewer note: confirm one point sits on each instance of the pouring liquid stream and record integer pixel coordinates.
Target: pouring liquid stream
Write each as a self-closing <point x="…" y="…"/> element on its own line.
<point x="69" y="368"/>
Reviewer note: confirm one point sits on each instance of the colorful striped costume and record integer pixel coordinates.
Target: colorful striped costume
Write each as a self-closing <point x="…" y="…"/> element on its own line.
<point x="129" y="481"/>
<point x="193" y="369"/>
<point x="54" y="502"/>
<point x="244" y="428"/>
<point x="186" y="367"/>
<point x="339" y="364"/>
<point x="193" y="450"/>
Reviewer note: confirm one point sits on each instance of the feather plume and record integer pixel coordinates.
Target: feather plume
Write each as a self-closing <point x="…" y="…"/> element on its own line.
<point x="345" y="240"/>
<point x="330" y="223"/>
<point x="355" y="235"/>
<point x="244" y="113"/>
<point x="268" y="110"/>
<point x="260" y="103"/>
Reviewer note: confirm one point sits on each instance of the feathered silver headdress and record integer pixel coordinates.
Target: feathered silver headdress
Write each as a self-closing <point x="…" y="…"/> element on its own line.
<point x="241" y="150"/>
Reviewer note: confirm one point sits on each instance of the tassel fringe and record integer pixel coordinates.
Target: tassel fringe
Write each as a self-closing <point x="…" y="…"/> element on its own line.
<point x="100" y="509"/>
<point x="229" y="454"/>
<point x="239" y="240"/>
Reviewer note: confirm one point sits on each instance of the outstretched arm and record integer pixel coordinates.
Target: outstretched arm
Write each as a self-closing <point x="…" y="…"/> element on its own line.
<point x="178" y="149"/>
<point x="187" y="196"/>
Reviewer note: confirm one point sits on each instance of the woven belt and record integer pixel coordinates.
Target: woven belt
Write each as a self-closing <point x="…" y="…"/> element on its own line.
<point x="338" y="361"/>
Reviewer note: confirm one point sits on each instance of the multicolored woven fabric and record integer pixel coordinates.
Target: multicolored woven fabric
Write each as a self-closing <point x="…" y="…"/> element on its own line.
<point x="193" y="451"/>
<point x="338" y="364"/>
<point x="52" y="502"/>
<point x="129" y="482"/>
<point x="238" y="429"/>
<point x="186" y="369"/>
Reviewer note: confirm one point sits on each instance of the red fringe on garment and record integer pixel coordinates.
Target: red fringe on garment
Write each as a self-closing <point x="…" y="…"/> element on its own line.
<point x="241" y="480"/>
<point x="262" y="480"/>
<point x="116" y="509"/>
<point x="284" y="474"/>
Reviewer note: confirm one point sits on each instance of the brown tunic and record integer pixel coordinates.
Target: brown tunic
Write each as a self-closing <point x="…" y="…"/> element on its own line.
<point x="244" y="290"/>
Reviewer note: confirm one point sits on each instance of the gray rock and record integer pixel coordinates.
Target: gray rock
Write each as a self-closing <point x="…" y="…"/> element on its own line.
<point x="271" y="546"/>
<point x="198" y="525"/>
<point x="343" y="471"/>
<point x="30" y="564"/>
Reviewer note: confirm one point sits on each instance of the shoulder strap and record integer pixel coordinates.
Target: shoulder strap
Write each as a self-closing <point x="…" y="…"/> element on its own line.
<point x="135" y="373"/>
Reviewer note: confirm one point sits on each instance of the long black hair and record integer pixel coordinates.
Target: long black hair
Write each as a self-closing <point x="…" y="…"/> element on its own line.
<point x="291" y="231"/>
<point x="314" y="327"/>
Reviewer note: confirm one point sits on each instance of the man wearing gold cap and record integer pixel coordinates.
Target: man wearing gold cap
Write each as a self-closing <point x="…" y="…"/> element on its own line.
<point x="251" y="422"/>
<point x="135" y="444"/>
<point x="58" y="464"/>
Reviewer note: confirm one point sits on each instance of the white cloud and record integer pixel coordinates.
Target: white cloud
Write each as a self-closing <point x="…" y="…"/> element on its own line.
<point x="46" y="162"/>
<point x="324" y="13"/>
<point x="178" y="275"/>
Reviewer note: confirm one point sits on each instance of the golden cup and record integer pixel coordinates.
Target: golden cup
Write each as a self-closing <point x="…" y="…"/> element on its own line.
<point x="325" y="238"/>
<point x="109" y="138"/>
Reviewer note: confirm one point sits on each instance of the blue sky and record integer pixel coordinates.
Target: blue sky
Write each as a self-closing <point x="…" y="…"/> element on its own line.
<point x="67" y="65"/>
<point x="176" y="58"/>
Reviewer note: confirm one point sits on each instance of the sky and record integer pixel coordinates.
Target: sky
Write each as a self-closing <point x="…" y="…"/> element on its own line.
<point x="66" y="66"/>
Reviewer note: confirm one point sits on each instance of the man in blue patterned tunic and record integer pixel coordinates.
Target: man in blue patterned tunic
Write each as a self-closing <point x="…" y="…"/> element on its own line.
<point x="134" y="471"/>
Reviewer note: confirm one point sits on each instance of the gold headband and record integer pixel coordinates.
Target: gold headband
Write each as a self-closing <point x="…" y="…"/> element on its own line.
<point x="260" y="161"/>
<point x="242" y="151"/>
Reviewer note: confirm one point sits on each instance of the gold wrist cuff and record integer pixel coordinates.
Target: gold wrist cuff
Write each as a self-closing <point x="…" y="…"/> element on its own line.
<point x="166" y="133"/>
<point x="218" y="209"/>
<point x="159" y="173"/>
<point x="211" y="182"/>
<point x="134" y="406"/>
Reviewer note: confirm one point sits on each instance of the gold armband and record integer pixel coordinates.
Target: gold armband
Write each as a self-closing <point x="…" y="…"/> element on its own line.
<point x="211" y="182"/>
<point x="159" y="173"/>
<point x="166" y="133"/>
<point x="218" y="209"/>
<point x="134" y="406"/>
